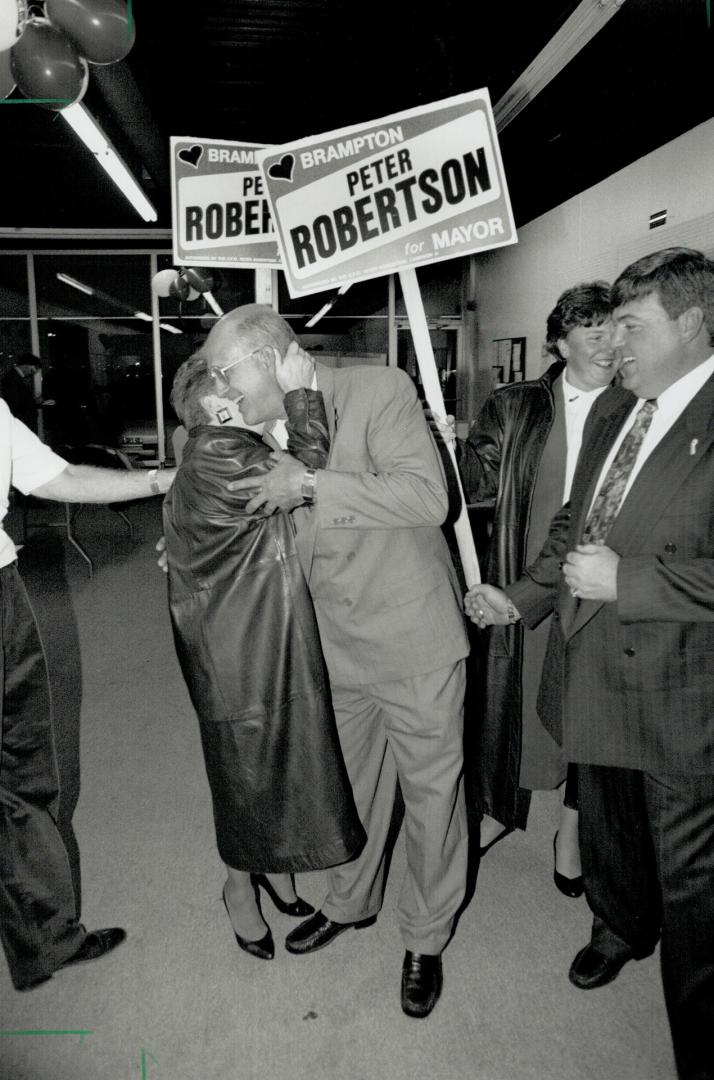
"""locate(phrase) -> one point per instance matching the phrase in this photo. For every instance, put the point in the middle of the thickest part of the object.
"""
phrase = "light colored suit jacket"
(631, 683)
(379, 570)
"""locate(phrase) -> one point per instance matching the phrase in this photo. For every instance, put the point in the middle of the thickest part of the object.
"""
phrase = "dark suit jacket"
(631, 683)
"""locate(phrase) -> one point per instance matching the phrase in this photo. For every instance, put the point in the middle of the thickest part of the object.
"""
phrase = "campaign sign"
(413, 188)
(221, 214)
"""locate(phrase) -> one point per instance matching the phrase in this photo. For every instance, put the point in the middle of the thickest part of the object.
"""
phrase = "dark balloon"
(179, 288)
(100, 30)
(45, 64)
(200, 280)
(7, 82)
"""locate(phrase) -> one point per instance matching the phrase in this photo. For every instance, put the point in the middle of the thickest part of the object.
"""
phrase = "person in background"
(391, 626)
(249, 649)
(39, 924)
(520, 457)
(627, 682)
(19, 392)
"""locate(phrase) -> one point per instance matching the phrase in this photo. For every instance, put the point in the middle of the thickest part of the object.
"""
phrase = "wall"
(595, 235)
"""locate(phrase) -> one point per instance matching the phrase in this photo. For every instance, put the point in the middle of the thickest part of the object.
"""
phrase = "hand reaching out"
(294, 370)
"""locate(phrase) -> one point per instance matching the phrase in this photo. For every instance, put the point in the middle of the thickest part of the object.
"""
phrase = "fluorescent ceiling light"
(86, 127)
(588, 18)
(164, 326)
(214, 303)
(326, 307)
(75, 284)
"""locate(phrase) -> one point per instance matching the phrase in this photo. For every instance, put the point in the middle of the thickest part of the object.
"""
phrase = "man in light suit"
(387, 604)
(628, 683)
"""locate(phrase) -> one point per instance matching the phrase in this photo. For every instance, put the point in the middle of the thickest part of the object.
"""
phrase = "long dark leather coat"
(498, 464)
(248, 645)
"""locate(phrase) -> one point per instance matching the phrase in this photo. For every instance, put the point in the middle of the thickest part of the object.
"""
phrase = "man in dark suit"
(628, 683)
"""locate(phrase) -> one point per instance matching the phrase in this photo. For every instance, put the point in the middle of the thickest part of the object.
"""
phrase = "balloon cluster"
(185, 284)
(46, 57)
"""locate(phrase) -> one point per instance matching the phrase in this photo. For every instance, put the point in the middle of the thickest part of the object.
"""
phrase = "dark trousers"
(647, 848)
(38, 919)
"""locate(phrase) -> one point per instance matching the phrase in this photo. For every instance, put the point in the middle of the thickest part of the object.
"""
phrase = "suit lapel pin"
(693, 447)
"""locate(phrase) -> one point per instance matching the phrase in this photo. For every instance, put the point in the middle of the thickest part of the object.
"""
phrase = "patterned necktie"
(607, 503)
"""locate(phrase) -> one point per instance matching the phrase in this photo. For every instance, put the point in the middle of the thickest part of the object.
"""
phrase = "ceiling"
(276, 70)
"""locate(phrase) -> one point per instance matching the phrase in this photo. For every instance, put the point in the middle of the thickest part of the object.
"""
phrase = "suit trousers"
(38, 917)
(647, 848)
(408, 731)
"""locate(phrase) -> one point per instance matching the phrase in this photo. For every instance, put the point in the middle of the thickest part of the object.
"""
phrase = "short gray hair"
(192, 382)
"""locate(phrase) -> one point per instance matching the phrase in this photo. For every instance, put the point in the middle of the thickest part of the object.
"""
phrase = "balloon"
(179, 288)
(7, 83)
(162, 282)
(45, 65)
(100, 30)
(12, 20)
(198, 279)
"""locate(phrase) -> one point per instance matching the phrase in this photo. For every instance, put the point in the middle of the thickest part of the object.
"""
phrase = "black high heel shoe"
(569, 886)
(299, 908)
(264, 949)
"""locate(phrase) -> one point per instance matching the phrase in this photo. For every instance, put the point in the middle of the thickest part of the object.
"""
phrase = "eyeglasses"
(219, 373)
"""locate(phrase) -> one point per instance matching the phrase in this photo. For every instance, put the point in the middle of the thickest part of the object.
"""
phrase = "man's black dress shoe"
(318, 931)
(591, 968)
(421, 983)
(299, 908)
(569, 886)
(96, 944)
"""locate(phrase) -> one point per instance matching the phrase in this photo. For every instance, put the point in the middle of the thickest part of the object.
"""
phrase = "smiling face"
(246, 377)
(653, 346)
(589, 356)
(224, 412)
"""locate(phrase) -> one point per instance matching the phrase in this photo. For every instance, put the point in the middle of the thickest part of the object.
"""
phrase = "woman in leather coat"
(248, 646)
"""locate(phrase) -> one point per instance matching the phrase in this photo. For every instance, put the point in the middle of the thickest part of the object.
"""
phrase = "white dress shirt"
(25, 463)
(578, 404)
(671, 403)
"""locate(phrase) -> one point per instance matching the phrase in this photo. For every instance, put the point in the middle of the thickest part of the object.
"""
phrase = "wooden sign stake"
(432, 391)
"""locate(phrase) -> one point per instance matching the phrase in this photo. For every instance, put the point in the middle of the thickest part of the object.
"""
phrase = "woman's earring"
(223, 416)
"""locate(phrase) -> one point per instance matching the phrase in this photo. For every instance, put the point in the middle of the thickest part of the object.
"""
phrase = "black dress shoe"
(569, 886)
(96, 944)
(421, 983)
(318, 931)
(298, 908)
(591, 968)
(264, 949)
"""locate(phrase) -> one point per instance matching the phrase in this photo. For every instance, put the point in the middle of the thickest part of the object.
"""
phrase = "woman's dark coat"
(249, 650)
(499, 462)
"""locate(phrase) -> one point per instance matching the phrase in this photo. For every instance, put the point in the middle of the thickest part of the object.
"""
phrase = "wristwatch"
(308, 486)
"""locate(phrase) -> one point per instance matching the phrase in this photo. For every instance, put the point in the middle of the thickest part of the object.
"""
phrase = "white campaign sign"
(404, 191)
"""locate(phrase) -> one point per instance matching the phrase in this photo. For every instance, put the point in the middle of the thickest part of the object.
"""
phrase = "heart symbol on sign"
(283, 169)
(192, 155)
